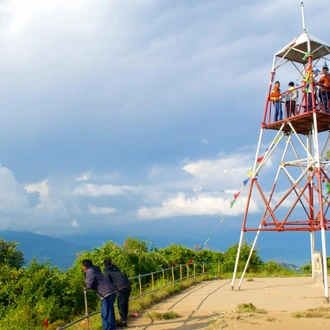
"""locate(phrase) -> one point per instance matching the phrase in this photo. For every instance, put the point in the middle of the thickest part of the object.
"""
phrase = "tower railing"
(305, 103)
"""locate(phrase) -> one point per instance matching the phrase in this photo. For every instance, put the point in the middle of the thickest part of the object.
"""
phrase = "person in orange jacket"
(275, 96)
(324, 84)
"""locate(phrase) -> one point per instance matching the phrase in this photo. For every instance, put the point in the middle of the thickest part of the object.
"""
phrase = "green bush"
(229, 259)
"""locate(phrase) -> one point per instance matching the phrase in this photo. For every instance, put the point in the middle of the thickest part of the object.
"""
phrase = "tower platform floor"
(302, 123)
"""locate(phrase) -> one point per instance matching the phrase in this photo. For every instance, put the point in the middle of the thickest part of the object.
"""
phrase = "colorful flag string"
(236, 195)
(259, 161)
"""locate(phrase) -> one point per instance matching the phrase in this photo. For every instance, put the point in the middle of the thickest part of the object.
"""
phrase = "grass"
(264, 274)
(162, 316)
(242, 313)
(249, 308)
(319, 312)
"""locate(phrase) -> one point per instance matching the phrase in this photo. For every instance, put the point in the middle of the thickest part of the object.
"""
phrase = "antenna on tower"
(303, 16)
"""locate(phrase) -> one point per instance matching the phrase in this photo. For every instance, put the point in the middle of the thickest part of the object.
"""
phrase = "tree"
(230, 258)
(10, 255)
(177, 254)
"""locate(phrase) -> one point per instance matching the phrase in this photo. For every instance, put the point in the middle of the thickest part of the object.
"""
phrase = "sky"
(136, 117)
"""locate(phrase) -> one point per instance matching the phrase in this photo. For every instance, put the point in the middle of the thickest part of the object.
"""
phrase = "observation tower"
(294, 196)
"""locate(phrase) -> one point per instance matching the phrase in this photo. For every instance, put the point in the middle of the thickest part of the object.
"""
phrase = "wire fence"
(147, 284)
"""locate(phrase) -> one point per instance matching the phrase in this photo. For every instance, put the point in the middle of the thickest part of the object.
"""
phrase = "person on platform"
(291, 97)
(275, 96)
(324, 84)
(309, 90)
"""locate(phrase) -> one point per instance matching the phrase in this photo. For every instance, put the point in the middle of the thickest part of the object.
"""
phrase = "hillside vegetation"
(31, 294)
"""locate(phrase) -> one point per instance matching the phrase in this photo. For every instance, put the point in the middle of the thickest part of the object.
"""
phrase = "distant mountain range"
(58, 252)
(62, 252)
(284, 256)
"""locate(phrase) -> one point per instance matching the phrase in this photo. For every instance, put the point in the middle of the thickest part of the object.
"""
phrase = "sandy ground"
(211, 305)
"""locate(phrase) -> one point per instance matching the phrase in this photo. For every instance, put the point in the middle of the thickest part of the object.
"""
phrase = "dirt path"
(211, 305)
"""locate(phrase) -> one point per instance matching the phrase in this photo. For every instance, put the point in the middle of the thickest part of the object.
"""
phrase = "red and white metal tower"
(295, 197)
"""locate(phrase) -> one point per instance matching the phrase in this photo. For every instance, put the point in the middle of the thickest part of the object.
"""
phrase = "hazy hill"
(62, 252)
(285, 256)
(45, 248)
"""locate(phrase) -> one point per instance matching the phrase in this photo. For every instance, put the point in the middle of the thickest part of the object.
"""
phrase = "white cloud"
(13, 197)
(89, 175)
(225, 172)
(203, 204)
(84, 177)
(75, 224)
(89, 189)
(40, 187)
(93, 209)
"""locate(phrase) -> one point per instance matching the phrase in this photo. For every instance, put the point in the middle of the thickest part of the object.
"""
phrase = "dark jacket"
(96, 281)
(119, 279)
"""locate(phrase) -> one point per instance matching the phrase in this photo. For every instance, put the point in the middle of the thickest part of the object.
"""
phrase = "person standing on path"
(105, 291)
(122, 284)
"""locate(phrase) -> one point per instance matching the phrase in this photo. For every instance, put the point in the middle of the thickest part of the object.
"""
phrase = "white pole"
(312, 238)
(303, 16)
(250, 255)
(325, 266)
(324, 249)
(237, 259)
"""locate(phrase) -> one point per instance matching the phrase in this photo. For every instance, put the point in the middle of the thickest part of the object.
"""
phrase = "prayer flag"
(327, 154)
(237, 194)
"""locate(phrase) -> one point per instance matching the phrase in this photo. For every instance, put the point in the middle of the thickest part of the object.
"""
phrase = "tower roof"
(301, 45)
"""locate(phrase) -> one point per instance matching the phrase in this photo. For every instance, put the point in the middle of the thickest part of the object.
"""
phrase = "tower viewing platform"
(304, 60)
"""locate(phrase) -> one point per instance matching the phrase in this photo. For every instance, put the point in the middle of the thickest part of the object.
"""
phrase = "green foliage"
(272, 267)
(248, 308)
(29, 296)
(162, 316)
(10, 255)
(229, 259)
(176, 254)
(306, 269)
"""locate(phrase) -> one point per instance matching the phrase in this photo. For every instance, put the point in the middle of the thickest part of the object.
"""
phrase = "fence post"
(180, 273)
(140, 287)
(152, 281)
(218, 266)
(194, 272)
(163, 272)
(187, 271)
(203, 269)
(173, 274)
(86, 306)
